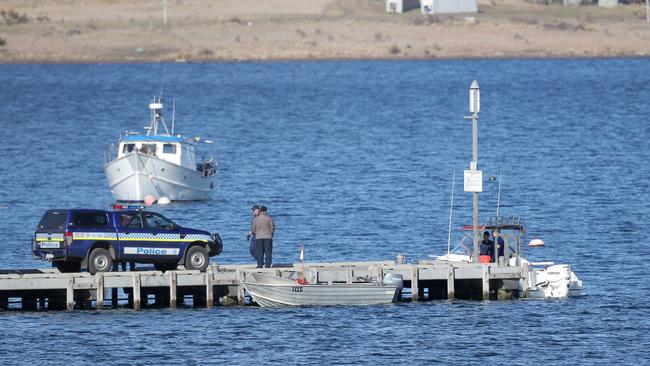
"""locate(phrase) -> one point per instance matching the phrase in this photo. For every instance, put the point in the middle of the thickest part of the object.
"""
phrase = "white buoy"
(536, 243)
(149, 200)
(164, 201)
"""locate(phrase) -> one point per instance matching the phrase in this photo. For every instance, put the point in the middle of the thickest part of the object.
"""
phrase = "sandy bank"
(121, 31)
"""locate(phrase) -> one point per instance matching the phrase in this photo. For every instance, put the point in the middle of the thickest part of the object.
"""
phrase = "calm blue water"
(355, 160)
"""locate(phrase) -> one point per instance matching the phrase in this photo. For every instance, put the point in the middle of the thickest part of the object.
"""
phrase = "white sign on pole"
(473, 181)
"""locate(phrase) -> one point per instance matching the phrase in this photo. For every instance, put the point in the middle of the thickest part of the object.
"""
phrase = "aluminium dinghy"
(272, 291)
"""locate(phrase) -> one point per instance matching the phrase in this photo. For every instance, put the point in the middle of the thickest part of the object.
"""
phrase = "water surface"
(353, 159)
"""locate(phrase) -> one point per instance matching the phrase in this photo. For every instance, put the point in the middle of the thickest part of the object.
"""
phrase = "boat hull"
(553, 281)
(136, 176)
(556, 281)
(278, 293)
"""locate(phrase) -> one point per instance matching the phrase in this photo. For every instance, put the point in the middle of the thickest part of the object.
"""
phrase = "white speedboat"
(544, 279)
(159, 164)
(272, 291)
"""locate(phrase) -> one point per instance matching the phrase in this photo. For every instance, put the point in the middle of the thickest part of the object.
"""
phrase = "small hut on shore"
(448, 6)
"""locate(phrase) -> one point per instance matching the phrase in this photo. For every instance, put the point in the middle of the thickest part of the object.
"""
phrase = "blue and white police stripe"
(49, 237)
(163, 237)
(197, 237)
(94, 236)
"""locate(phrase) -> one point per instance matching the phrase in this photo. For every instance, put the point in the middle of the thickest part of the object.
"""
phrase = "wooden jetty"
(222, 284)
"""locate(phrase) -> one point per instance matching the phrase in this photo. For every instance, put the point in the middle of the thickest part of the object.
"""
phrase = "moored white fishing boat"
(159, 164)
(543, 280)
(272, 291)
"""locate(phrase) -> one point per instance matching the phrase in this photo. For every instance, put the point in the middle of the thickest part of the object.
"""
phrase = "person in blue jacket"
(486, 246)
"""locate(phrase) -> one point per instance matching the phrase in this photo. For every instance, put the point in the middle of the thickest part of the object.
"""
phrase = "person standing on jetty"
(251, 237)
(486, 248)
(263, 229)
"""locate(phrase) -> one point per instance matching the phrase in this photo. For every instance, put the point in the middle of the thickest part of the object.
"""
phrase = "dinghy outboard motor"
(394, 279)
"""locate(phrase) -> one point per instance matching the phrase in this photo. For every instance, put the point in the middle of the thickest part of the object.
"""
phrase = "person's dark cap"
(255, 207)
(263, 208)
(486, 233)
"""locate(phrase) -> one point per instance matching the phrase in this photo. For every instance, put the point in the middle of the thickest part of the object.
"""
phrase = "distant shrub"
(43, 19)
(73, 32)
(524, 20)
(564, 26)
(2, 42)
(394, 50)
(12, 17)
(427, 20)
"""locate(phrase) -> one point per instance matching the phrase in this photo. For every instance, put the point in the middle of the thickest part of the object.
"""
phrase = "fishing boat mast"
(156, 108)
(473, 178)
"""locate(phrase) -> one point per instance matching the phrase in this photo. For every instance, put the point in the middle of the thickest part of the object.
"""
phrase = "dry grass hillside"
(124, 31)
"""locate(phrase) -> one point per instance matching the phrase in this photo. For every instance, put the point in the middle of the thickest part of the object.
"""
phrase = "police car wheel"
(196, 258)
(100, 260)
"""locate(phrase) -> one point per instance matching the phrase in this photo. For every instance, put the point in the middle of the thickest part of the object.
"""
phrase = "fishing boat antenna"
(451, 210)
(173, 113)
(499, 195)
(162, 85)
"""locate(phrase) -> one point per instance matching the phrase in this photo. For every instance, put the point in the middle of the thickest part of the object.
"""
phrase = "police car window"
(53, 220)
(157, 222)
(131, 220)
(89, 219)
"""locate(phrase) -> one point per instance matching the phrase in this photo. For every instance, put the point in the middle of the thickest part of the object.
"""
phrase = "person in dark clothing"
(251, 237)
(486, 246)
(263, 228)
(500, 243)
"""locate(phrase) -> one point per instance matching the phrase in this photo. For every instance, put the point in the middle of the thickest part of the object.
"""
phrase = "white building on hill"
(448, 6)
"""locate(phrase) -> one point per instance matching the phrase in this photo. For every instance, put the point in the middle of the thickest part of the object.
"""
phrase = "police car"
(96, 239)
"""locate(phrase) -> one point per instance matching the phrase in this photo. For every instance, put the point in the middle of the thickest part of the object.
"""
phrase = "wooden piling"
(313, 275)
(99, 278)
(240, 277)
(69, 295)
(114, 297)
(486, 282)
(377, 273)
(525, 275)
(136, 291)
(209, 289)
(415, 285)
(451, 279)
(114, 290)
(172, 289)
(29, 303)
